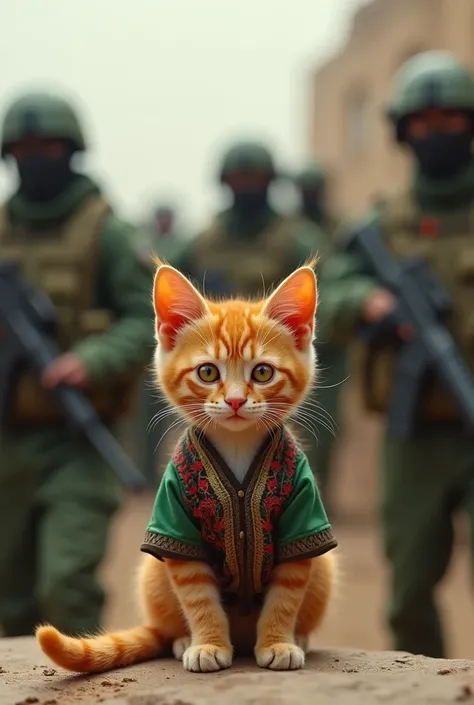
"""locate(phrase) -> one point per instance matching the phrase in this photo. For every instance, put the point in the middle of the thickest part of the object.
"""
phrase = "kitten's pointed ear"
(294, 303)
(176, 304)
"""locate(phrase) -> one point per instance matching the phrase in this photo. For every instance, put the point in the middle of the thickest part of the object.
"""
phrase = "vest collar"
(38, 215)
(237, 225)
(445, 195)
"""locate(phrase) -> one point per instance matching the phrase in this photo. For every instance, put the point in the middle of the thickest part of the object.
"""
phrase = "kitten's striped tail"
(102, 652)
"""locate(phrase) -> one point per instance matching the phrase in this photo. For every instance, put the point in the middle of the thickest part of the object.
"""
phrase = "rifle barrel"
(40, 351)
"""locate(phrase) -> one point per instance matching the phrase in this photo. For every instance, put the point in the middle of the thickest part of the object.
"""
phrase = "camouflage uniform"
(155, 237)
(249, 248)
(57, 496)
(427, 477)
(311, 183)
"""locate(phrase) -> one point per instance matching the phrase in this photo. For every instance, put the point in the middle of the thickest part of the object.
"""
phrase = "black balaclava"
(42, 178)
(311, 205)
(442, 155)
(250, 202)
(250, 196)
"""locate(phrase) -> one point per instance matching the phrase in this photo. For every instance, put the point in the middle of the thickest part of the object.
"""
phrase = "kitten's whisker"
(312, 403)
(264, 296)
(314, 422)
(310, 430)
(267, 342)
(175, 424)
(155, 420)
(200, 336)
(311, 417)
(163, 413)
(318, 414)
(321, 414)
(270, 427)
(264, 341)
(331, 386)
(303, 421)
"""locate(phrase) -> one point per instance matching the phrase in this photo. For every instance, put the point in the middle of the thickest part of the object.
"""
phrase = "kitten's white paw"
(302, 641)
(180, 645)
(280, 657)
(206, 658)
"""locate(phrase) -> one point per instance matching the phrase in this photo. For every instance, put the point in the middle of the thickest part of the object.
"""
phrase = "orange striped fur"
(180, 601)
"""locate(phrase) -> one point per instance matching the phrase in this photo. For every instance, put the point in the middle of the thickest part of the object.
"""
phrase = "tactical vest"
(446, 243)
(241, 266)
(63, 263)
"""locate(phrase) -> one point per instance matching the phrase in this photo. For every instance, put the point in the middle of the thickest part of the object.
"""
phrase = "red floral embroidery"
(278, 488)
(203, 504)
(208, 511)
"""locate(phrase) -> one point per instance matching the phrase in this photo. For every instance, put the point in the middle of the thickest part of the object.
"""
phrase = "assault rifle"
(423, 303)
(29, 320)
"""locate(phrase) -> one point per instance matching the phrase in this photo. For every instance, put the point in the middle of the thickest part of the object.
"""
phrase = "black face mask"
(42, 179)
(311, 207)
(442, 155)
(250, 202)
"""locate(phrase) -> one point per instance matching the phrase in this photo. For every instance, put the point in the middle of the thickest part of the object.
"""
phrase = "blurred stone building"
(347, 128)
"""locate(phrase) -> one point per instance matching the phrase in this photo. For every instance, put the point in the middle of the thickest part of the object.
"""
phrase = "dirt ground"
(347, 667)
(343, 676)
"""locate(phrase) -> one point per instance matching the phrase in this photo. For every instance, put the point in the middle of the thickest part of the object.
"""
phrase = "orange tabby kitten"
(237, 545)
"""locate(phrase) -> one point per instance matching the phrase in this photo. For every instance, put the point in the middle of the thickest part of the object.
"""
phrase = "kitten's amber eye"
(208, 373)
(262, 373)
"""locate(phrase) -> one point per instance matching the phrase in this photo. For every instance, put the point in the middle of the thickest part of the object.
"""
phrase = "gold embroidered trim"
(168, 546)
(225, 499)
(309, 547)
(256, 514)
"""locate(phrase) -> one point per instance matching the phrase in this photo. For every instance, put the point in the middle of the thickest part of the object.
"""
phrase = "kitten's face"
(235, 364)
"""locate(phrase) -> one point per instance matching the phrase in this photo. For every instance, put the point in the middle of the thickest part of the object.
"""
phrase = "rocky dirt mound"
(338, 676)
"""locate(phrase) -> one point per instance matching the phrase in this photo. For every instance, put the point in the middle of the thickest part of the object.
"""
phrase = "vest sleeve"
(304, 530)
(171, 532)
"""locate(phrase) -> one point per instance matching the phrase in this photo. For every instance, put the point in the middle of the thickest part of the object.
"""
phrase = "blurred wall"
(348, 131)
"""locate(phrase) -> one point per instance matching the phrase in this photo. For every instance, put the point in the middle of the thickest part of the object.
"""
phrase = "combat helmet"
(312, 176)
(41, 114)
(253, 156)
(432, 79)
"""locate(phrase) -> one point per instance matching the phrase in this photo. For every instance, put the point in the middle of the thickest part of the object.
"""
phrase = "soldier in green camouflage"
(57, 496)
(311, 183)
(249, 247)
(428, 477)
(162, 235)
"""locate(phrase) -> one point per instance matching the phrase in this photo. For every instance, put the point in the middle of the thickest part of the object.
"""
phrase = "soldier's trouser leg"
(18, 607)
(323, 408)
(420, 484)
(77, 503)
(57, 498)
(468, 503)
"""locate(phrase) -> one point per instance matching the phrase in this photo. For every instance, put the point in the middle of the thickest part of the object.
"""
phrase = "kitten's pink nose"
(235, 402)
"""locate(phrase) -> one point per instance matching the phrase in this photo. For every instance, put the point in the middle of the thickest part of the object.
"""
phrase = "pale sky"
(164, 85)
